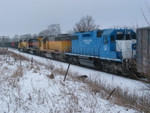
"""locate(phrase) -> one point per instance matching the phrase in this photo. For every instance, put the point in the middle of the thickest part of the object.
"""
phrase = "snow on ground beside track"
(113, 81)
(32, 91)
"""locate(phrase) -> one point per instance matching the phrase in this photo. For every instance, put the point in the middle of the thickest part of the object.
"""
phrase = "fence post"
(31, 62)
(67, 72)
(111, 93)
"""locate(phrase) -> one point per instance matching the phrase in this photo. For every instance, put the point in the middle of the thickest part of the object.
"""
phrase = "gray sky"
(33, 16)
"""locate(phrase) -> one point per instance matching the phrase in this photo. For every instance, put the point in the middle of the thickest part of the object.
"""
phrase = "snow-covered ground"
(27, 88)
(133, 86)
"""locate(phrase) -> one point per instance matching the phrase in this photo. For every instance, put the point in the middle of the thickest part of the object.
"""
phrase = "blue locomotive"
(108, 49)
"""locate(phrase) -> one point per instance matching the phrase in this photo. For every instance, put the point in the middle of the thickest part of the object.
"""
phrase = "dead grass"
(35, 71)
(3, 51)
(51, 66)
(141, 104)
(17, 56)
(119, 97)
(37, 67)
(18, 72)
(51, 76)
(59, 71)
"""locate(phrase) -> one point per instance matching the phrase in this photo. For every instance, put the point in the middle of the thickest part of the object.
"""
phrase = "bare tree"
(25, 36)
(15, 38)
(133, 27)
(70, 32)
(34, 36)
(86, 23)
(44, 33)
(53, 29)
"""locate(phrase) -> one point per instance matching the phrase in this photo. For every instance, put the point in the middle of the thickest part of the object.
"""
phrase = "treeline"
(86, 23)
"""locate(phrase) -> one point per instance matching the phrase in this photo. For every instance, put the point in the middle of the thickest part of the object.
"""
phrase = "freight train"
(119, 51)
(110, 50)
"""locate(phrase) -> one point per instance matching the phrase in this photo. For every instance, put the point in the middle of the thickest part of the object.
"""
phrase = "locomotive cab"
(125, 43)
(118, 44)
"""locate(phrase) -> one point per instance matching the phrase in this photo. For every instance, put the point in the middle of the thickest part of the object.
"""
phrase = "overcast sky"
(32, 16)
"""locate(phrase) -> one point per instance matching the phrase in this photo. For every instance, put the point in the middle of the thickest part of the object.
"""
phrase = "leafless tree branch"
(85, 24)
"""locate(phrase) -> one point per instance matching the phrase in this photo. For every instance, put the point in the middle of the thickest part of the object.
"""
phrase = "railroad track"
(126, 75)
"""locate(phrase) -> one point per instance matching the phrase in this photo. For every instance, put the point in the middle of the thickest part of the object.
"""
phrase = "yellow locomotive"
(50, 46)
(22, 46)
(55, 46)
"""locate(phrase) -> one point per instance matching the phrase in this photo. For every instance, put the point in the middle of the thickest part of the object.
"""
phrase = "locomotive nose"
(127, 48)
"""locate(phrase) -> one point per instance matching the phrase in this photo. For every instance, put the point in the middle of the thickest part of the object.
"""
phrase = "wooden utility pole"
(3, 46)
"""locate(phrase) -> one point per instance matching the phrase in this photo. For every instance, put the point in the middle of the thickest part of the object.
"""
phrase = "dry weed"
(51, 76)
(37, 67)
(58, 71)
(51, 66)
(18, 72)
(119, 97)
(141, 104)
(35, 71)
(17, 56)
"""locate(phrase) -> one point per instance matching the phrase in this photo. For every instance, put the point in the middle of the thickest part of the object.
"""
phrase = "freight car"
(143, 51)
(14, 45)
(9, 44)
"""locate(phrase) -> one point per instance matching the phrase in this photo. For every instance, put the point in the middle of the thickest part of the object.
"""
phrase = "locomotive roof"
(59, 37)
(105, 31)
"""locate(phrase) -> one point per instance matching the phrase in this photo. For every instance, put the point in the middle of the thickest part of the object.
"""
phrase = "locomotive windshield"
(125, 35)
(119, 37)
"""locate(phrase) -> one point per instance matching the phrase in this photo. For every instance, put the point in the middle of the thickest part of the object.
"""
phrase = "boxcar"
(143, 49)
(14, 45)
